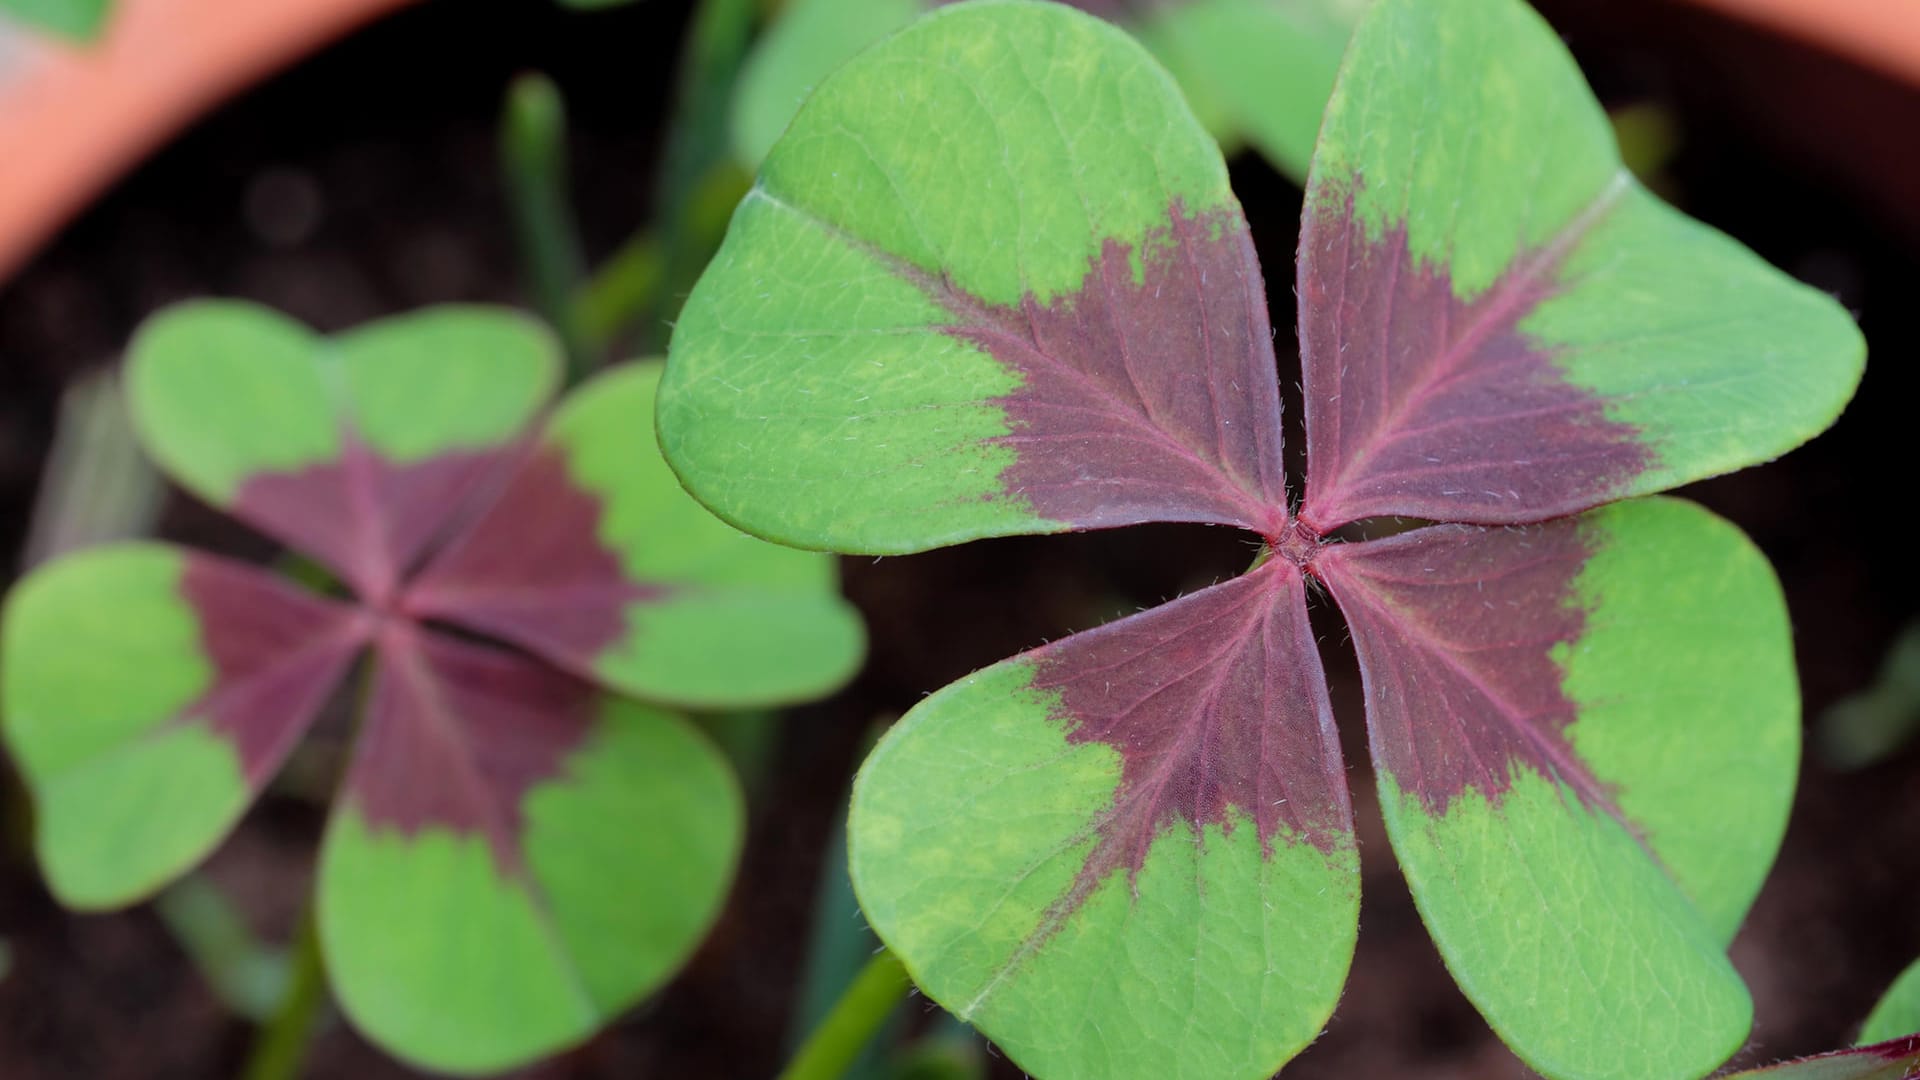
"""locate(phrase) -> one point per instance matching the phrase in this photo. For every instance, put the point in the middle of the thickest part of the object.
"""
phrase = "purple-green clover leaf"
(149, 694)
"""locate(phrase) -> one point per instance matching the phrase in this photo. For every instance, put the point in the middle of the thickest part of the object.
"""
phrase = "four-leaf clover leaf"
(992, 280)
(516, 854)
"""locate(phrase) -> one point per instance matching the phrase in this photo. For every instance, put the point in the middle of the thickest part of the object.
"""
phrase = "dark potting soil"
(363, 183)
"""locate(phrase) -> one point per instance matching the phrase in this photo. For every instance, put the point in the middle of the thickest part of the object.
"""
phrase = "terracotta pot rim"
(77, 118)
(1882, 33)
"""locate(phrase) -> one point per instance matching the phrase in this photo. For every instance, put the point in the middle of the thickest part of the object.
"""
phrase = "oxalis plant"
(992, 281)
(517, 851)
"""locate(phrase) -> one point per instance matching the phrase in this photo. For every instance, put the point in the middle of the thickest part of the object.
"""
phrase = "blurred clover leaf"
(74, 20)
(529, 838)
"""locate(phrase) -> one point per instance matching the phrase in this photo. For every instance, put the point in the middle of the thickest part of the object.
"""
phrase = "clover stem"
(533, 162)
(697, 184)
(246, 974)
(695, 190)
(282, 1044)
(620, 288)
(863, 1007)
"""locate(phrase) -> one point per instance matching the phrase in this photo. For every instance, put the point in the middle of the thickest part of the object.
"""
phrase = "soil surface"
(363, 183)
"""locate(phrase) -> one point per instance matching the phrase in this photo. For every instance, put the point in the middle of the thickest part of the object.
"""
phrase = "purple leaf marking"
(1217, 705)
(1155, 400)
(1455, 628)
(457, 733)
(530, 570)
(277, 653)
(367, 518)
(1419, 404)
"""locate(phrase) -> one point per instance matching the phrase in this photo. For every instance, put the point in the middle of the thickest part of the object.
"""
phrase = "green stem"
(862, 1008)
(695, 161)
(747, 737)
(621, 287)
(98, 485)
(251, 978)
(533, 163)
(282, 1044)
